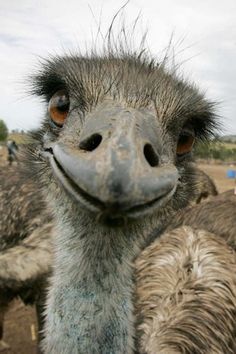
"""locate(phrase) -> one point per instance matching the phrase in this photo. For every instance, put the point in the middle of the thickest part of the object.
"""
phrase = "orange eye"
(58, 107)
(185, 144)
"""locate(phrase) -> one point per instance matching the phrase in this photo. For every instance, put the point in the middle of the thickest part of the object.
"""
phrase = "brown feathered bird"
(113, 158)
(26, 238)
(186, 294)
(25, 242)
(204, 186)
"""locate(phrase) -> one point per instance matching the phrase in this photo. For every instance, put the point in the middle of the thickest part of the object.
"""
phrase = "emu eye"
(185, 143)
(58, 107)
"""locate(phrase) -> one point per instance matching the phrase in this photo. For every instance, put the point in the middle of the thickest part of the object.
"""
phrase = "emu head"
(118, 134)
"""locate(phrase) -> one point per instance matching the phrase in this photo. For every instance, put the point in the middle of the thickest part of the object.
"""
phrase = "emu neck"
(90, 307)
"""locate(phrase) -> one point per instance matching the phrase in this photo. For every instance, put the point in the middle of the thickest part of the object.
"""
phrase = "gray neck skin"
(90, 302)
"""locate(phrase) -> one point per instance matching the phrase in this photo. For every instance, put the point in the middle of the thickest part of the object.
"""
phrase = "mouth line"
(73, 189)
(95, 204)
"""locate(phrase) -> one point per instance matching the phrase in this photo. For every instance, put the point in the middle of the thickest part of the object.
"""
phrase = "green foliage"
(3, 131)
(216, 150)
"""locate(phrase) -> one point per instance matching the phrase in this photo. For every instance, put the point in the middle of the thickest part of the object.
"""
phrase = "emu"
(204, 186)
(217, 216)
(186, 293)
(185, 282)
(26, 231)
(113, 157)
(188, 256)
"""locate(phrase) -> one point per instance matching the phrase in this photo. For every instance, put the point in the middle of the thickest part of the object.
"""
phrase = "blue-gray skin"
(112, 176)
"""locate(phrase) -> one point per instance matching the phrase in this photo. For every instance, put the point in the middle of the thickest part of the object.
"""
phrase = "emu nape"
(113, 157)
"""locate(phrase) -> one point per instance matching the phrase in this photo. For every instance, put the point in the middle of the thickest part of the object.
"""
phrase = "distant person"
(12, 148)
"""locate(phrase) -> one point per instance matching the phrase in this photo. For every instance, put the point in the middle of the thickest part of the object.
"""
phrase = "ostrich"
(113, 157)
(25, 243)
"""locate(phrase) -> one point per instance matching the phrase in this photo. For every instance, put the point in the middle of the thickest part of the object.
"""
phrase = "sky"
(203, 36)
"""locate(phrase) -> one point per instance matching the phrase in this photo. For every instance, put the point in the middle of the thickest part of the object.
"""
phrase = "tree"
(3, 130)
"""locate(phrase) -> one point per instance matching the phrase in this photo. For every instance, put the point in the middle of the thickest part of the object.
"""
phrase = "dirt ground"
(20, 328)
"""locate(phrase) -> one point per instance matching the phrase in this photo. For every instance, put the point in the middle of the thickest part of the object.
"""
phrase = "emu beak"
(116, 167)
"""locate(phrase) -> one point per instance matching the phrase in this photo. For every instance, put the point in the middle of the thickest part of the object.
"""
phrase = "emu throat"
(92, 309)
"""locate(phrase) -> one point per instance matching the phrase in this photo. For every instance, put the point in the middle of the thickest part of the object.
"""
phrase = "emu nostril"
(91, 143)
(150, 155)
